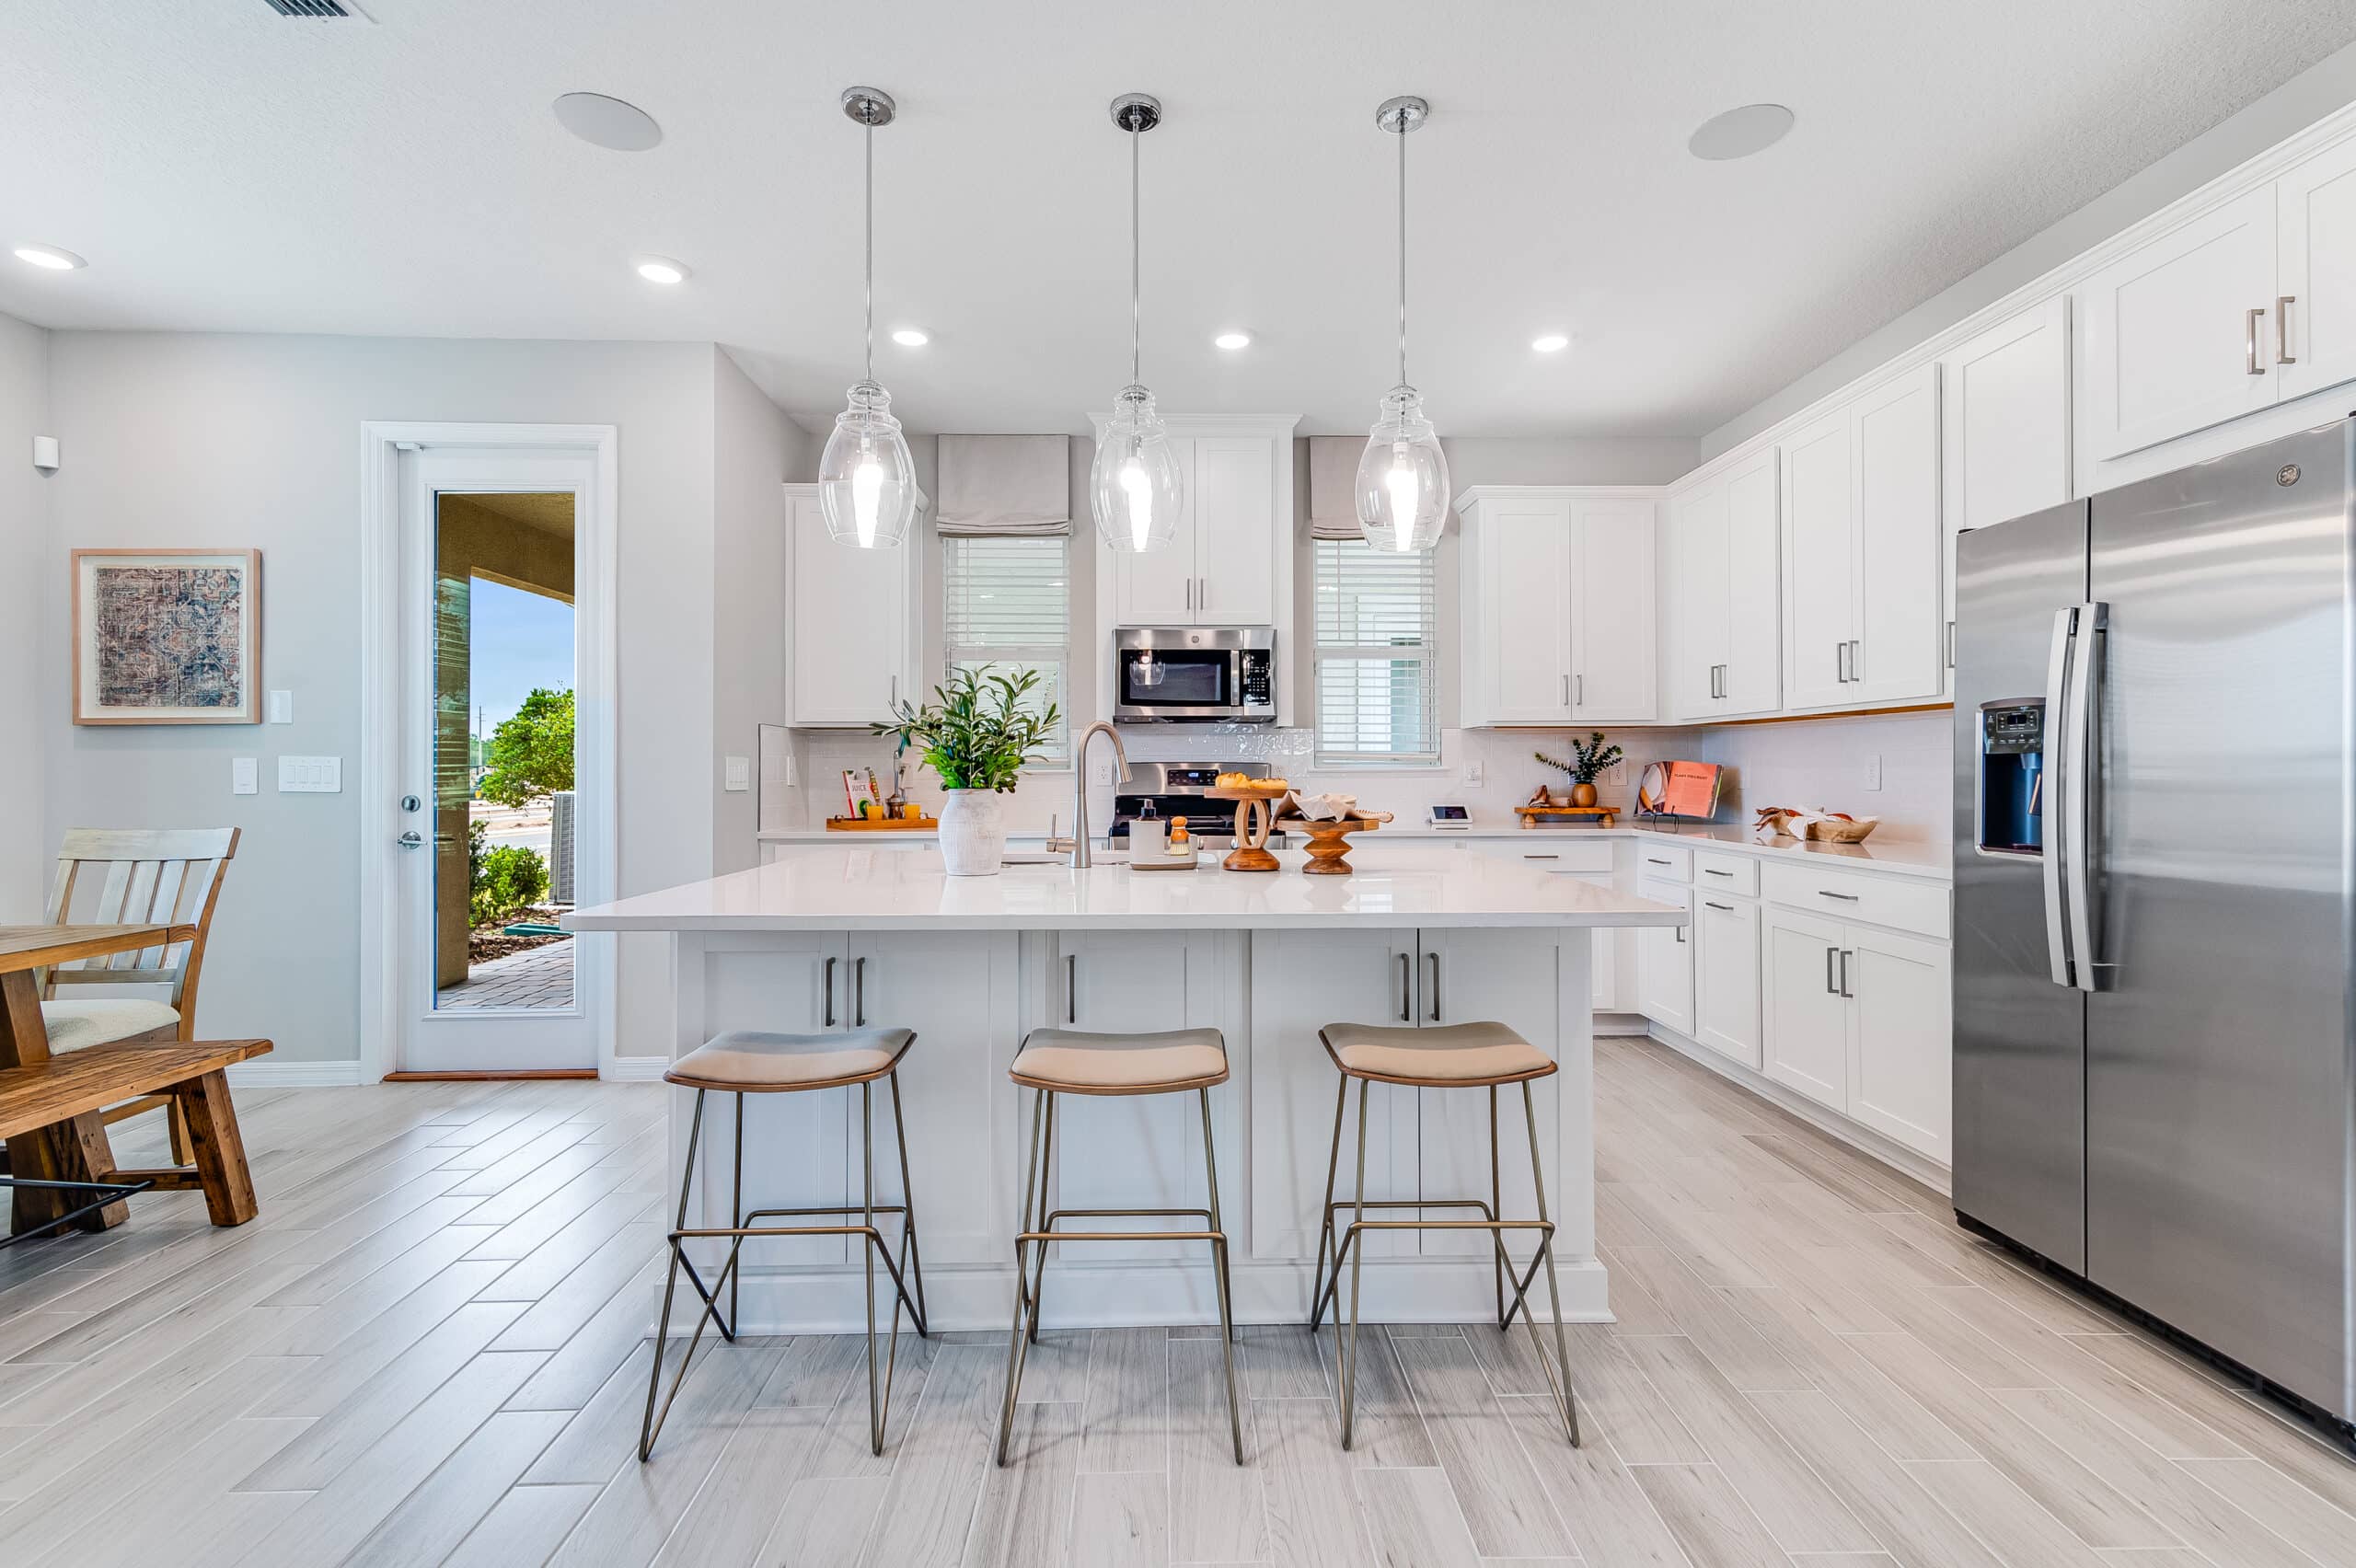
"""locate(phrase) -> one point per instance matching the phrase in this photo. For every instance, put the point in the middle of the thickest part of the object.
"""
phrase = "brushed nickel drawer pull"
(1722, 908)
(1843, 897)
(2282, 303)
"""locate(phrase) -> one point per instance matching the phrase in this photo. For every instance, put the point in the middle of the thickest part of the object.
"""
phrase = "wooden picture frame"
(166, 636)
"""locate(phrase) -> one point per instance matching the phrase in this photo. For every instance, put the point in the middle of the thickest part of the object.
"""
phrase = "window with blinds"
(1006, 603)
(1378, 696)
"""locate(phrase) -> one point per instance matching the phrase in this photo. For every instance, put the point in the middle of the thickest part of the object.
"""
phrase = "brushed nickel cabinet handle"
(1830, 989)
(1406, 989)
(1567, 691)
(1846, 954)
(1578, 691)
(1435, 958)
(1721, 908)
(859, 993)
(1071, 988)
(828, 985)
(2282, 303)
(2249, 340)
(1651, 861)
(1843, 897)
(1542, 857)
(1713, 871)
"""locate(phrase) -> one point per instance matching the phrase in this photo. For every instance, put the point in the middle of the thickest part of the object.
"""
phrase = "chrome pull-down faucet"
(1080, 861)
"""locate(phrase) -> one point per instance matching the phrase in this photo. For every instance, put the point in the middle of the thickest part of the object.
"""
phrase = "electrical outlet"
(1615, 776)
(1472, 771)
(1873, 772)
(1100, 773)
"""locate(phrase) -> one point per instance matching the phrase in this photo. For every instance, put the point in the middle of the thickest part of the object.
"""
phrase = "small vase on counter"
(972, 832)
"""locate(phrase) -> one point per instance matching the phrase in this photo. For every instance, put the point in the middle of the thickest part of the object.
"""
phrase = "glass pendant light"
(1134, 487)
(866, 480)
(1403, 475)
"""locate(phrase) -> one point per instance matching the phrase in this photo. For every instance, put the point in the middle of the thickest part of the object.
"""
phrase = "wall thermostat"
(1452, 817)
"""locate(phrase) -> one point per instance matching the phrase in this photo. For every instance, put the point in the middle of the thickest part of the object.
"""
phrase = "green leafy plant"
(530, 753)
(1588, 760)
(502, 881)
(979, 732)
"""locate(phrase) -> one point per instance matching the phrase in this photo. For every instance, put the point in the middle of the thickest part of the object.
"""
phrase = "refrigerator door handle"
(2056, 782)
(2078, 778)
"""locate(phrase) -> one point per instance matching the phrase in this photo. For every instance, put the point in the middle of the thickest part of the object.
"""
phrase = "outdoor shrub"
(503, 881)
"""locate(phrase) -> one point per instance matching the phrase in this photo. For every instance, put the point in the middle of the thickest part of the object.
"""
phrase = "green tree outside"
(530, 753)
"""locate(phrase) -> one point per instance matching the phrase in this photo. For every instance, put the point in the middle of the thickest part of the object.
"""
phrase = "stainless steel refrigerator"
(2152, 1080)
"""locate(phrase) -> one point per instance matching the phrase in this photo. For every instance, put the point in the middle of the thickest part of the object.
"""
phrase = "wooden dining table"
(24, 1042)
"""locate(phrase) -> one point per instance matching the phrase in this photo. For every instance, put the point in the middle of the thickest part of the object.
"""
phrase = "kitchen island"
(842, 937)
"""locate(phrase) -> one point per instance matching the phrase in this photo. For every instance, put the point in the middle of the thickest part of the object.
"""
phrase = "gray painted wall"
(2323, 88)
(25, 581)
(255, 441)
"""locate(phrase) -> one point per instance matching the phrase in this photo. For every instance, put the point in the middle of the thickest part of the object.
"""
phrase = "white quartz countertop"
(853, 887)
(1917, 858)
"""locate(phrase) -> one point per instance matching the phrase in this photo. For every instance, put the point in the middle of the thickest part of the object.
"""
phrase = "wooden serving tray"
(883, 825)
(1602, 816)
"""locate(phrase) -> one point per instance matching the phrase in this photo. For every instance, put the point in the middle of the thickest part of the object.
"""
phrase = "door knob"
(411, 839)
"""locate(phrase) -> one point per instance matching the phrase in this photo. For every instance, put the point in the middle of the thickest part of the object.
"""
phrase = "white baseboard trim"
(264, 1073)
(1865, 1140)
(833, 1301)
(634, 1070)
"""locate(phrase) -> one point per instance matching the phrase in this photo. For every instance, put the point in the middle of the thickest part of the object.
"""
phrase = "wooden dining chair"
(135, 876)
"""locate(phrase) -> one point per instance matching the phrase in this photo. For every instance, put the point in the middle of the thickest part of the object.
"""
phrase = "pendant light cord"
(1401, 134)
(1134, 248)
(871, 252)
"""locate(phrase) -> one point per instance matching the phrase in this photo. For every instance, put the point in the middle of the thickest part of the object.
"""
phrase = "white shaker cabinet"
(2314, 305)
(1558, 606)
(1807, 1018)
(1860, 550)
(2006, 409)
(1857, 1019)
(1725, 598)
(854, 645)
(1726, 975)
(1157, 588)
(1665, 960)
(1228, 562)
(2177, 333)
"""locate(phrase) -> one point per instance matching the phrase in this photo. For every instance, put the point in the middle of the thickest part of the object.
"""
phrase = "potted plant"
(975, 735)
(1588, 761)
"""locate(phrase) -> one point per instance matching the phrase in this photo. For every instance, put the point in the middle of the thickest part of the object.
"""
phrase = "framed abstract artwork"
(167, 637)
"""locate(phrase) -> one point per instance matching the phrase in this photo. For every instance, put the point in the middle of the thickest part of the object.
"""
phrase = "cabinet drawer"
(1727, 873)
(1664, 862)
(1908, 906)
(1589, 855)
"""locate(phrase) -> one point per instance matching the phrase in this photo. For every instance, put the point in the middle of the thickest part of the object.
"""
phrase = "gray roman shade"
(1002, 486)
(1333, 485)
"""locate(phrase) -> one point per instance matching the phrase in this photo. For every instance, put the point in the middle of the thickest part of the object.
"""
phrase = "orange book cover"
(1686, 789)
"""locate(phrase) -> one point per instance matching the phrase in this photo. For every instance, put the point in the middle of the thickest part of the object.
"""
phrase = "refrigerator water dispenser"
(2011, 778)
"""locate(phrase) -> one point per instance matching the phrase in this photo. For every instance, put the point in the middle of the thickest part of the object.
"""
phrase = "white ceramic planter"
(972, 832)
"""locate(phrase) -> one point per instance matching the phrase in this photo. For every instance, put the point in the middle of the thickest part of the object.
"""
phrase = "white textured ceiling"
(224, 168)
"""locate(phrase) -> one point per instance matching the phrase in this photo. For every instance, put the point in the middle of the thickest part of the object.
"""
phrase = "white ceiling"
(224, 168)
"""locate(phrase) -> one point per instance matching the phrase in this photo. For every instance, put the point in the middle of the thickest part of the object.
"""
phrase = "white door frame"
(597, 529)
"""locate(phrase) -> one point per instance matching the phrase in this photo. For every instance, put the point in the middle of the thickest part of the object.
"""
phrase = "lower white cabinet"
(1725, 976)
(1665, 960)
(1857, 1019)
(1604, 972)
(1420, 1143)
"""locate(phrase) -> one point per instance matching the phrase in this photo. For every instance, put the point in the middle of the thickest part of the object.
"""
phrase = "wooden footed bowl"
(1329, 842)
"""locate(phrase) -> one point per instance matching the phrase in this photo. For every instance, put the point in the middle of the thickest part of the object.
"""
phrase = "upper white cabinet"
(1233, 541)
(2007, 415)
(1725, 604)
(1861, 549)
(1557, 607)
(854, 648)
(2314, 321)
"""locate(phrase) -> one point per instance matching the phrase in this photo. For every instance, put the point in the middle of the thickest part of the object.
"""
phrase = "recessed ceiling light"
(1551, 343)
(1232, 340)
(1738, 132)
(49, 257)
(661, 270)
(607, 122)
(911, 337)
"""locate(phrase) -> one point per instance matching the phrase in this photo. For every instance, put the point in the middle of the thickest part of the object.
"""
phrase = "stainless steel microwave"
(1194, 674)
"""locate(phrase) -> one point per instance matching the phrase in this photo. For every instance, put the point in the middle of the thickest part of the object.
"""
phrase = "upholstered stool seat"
(1074, 1060)
(752, 1060)
(1470, 1054)
(1437, 1057)
(1057, 1062)
(73, 1025)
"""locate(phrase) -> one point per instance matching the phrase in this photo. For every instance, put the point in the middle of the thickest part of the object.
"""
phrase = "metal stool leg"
(652, 1422)
(1554, 1289)
(1325, 1214)
(1355, 1244)
(736, 1220)
(1034, 1189)
(911, 1254)
(1218, 1250)
(878, 1400)
(1046, 1180)
(1497, 1206)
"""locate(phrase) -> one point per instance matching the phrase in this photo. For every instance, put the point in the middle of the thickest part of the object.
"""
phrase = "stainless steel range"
(1167, 789)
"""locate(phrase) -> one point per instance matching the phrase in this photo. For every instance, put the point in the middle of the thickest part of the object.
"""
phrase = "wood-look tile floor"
(428, 1351)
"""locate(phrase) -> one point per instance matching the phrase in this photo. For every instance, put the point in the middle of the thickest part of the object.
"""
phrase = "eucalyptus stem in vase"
(975, 735)
(1589, 760)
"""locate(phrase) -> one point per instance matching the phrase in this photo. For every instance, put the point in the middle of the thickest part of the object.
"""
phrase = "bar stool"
(743, 1062)
(1460, 1055)
(1071, 1061)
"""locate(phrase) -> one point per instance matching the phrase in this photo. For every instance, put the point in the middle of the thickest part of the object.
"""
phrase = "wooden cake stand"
(1255, 815)
(1329, 842)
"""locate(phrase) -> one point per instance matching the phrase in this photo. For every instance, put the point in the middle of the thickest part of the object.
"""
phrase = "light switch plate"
(1873, 771)
(739, 773)
(245, 776)
(310, 774)
(282, 707)
(1473, 772)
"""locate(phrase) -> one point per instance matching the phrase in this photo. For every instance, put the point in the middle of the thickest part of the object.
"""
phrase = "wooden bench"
(65, 1094)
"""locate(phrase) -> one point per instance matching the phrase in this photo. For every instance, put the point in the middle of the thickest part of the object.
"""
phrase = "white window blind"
(1006, 601)
(1377, 692)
